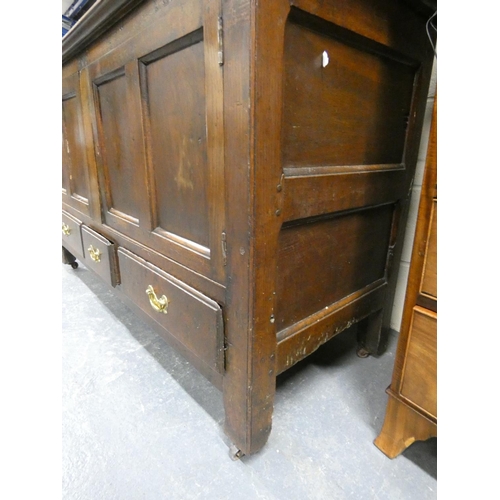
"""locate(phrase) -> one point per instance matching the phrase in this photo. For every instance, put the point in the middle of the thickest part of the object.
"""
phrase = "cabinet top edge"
(99, 18)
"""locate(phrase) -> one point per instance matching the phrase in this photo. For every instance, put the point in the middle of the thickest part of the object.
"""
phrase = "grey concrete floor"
(140, 423)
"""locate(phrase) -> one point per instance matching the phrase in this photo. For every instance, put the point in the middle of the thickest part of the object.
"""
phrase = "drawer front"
(100, 255)
(429, 275)
(419, 381)
(71, 234)
(189, 316)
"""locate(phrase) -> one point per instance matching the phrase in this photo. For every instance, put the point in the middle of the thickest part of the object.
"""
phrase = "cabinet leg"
(402, 427)
(248, 418)
(69, 258)
(235, 453)
(249, 389)
(372, 338)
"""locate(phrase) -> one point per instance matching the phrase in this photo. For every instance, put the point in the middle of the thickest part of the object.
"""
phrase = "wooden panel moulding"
(121, 177)
(322, 261)
(74, 144)
(179, 158)
(344, 104)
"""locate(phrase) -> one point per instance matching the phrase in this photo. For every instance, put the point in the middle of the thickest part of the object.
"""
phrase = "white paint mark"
(325, 60)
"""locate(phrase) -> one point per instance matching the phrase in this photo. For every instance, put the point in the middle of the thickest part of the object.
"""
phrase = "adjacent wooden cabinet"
(412, 408)
(239, 171)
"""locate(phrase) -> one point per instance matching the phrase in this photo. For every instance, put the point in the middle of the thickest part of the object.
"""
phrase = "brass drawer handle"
(66, 229)
(95, 254)
(158, 304)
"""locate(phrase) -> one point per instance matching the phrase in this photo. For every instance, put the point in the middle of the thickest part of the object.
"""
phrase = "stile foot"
(235, 453)
(69, 258)
(362, 352)
(372, 338)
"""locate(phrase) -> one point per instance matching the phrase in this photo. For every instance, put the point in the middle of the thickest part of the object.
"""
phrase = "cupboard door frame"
(78, 159)
(130, 60)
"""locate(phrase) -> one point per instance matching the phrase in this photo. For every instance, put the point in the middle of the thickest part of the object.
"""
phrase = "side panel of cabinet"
(347, 103)
(343, 104)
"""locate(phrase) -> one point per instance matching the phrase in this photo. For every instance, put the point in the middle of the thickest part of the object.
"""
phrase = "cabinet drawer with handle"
(71, 235)
(191, 317)
(100, 255)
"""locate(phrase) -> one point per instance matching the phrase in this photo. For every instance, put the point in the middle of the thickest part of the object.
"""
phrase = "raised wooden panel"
(344, 103)
(323, 261)
(74, 157)
(429, 275)
(65, 163)
(173, 83)
(419, 376)
(122, 170)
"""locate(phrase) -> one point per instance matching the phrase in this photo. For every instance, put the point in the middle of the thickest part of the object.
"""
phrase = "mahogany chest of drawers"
(239, 172)
(411, 413)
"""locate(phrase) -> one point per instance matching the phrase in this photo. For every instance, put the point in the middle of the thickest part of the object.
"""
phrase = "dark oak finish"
(191, 317)
(412, 408)
(100, 256)
(71, 233)
(343, 104)
(97, 20)
(254, 160)
(75, 169)
(332, 251)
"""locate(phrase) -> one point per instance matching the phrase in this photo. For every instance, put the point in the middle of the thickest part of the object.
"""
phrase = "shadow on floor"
(196, 385)
(339, 350)
(332, 353)
(423, 454)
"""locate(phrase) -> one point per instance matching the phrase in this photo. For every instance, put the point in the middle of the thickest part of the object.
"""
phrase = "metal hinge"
(224, 247)
(220, 37)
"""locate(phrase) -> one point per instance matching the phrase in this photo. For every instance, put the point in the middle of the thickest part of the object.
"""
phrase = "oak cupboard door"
(158, 128)
(75, 169)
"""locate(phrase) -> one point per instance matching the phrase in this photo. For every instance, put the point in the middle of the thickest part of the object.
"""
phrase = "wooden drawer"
(188, 315)
(419, 378)
(429, 275)
(71, 234)
(100, 255)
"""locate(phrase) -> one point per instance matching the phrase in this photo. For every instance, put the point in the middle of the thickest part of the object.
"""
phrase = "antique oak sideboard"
(239, 172)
